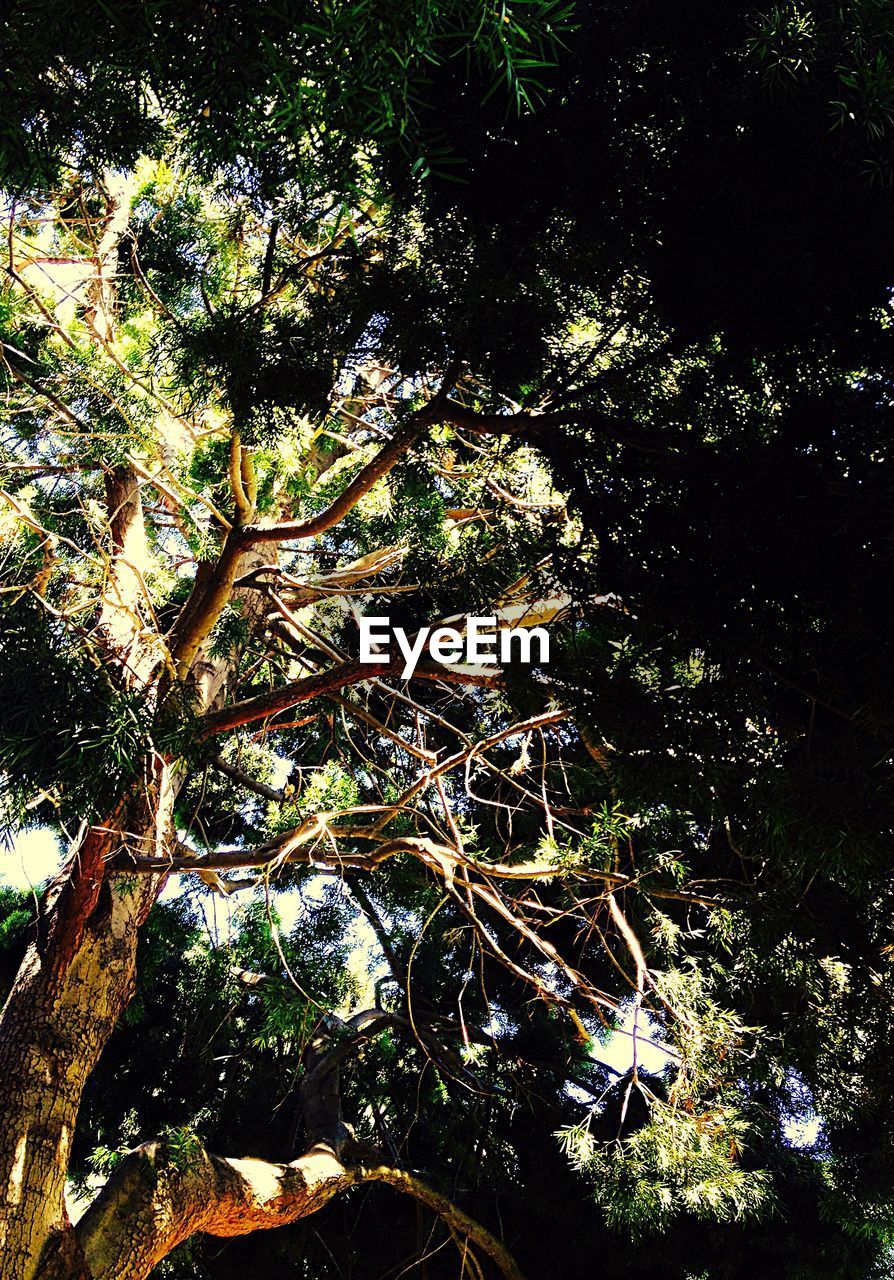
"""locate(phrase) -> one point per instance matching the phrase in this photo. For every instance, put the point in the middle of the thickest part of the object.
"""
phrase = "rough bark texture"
(79, 972)
(158, 1198)
(76, 979)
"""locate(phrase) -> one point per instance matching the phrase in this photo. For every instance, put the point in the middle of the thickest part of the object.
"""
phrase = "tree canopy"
(574, 317)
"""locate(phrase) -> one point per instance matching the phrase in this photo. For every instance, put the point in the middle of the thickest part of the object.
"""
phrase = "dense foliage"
(617, 281)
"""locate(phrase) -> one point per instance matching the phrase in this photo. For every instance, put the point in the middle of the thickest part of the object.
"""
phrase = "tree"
(129, 394)
(255, 343)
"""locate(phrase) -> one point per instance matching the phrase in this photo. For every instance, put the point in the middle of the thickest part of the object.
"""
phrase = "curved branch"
(384, 461)
(206, 603)
(538, 427)
(450, 1213)
(551, 717)
(161, 1194)
(244, 779)
(356, 712)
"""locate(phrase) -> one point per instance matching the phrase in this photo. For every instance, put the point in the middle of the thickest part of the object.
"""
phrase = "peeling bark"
(79, 971)
(120, 622)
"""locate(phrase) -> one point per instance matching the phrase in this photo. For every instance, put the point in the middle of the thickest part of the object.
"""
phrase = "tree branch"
(537, 427)
(439, 409)
(383, 462)
(159, 1196)
(356, 712)
(162, 1194)
(326, 682)
(300, 845)
(206, 603)
(290, 695)
(235, 774)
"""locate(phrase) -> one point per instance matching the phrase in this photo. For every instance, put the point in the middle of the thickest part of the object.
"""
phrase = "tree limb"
(300, 845)
(325, 682)
(290, 695)
(244, 779)
(162, 1194)
(383, 462)
(537, 427)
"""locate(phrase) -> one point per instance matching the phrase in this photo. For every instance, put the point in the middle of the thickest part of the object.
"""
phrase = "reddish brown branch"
(325, 682)
(158, 1197)
(290, 695)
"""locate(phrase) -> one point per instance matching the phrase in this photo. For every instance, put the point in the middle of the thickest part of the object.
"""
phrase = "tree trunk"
(79, 971)
(76, 979)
